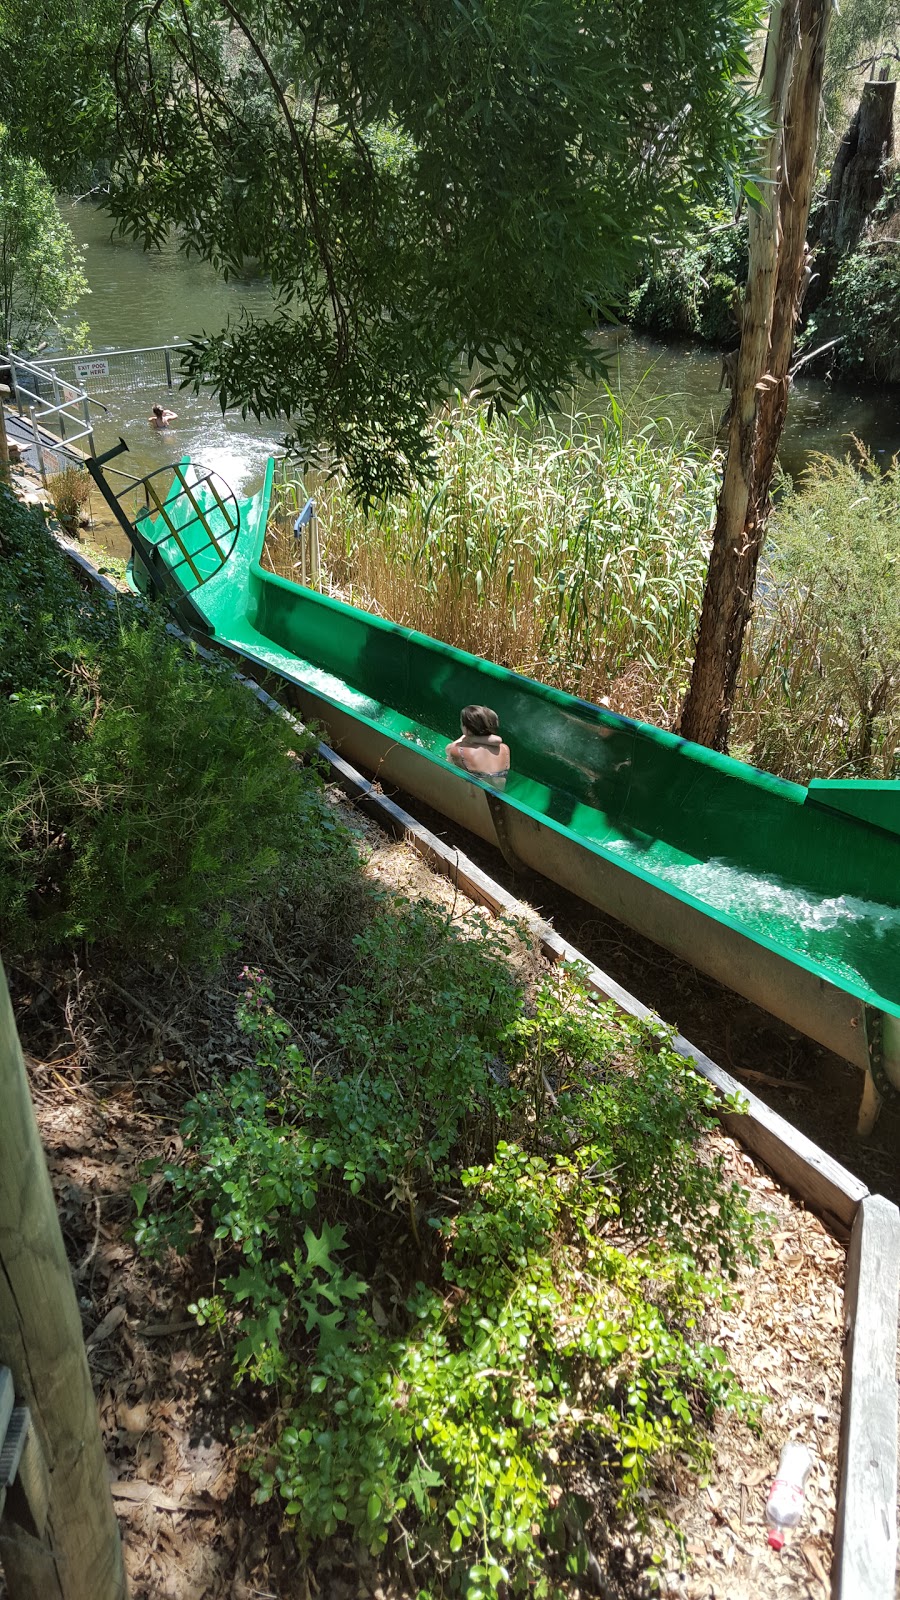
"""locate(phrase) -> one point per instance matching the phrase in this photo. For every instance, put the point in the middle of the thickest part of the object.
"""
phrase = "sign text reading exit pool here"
(96, 368)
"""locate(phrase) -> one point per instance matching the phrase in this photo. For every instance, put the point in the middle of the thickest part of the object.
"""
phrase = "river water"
(141, 298)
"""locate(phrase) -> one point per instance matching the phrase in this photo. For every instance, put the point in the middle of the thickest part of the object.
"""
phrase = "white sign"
(96, 368)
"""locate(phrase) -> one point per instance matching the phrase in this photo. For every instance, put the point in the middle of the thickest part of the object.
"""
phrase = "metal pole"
(12, 368)
(317, 551)
(59, 408)
(38, 446)
(86, 413)
(168, 360)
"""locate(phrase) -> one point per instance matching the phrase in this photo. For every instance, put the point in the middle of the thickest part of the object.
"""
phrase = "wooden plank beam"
(77, 1554)
(866, 1523)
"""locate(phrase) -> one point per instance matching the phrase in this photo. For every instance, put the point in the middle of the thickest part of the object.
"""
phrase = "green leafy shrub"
(70, 492)
(863, 307)
(41, 268)
(145, 798)
(518, 1320)
(38, 597)
(690, 290)
(820, 688)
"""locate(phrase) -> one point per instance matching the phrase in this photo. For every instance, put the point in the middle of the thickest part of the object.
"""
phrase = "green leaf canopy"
(436, 188)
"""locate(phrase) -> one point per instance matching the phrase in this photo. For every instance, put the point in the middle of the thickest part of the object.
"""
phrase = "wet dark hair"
(157, 411)
(480, 720)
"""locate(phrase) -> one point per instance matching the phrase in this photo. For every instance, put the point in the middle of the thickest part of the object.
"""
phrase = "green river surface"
(142, 298)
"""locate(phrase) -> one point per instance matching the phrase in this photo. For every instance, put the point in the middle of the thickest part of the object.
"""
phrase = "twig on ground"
(157, 1021)
(86, 1260)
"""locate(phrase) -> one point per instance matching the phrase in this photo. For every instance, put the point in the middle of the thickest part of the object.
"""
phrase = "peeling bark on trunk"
(792, 88)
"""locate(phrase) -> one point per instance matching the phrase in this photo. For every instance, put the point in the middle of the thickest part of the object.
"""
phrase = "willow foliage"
(433, 189)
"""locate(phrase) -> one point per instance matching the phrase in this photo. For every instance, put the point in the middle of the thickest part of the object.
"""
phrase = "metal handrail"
(116, 366)
(40, 409)
(139, 350)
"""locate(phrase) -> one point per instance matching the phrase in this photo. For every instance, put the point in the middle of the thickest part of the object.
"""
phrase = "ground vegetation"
(820, 694)
(446, 1218)
(133, 775)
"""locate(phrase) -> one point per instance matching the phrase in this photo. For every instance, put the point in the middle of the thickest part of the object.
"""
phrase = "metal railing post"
(15, 383)
(59, 409)
(316, 550)
(39, 448)
(86, 413)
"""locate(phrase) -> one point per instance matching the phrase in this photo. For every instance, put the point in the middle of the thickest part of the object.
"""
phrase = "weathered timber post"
(76, 1554)
(793, 70)
(5, 393)
(857, 179)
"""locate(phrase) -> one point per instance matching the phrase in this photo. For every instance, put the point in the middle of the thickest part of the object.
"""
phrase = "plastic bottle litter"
(784, 1506)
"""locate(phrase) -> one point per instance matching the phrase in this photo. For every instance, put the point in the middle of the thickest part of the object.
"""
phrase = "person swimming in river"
(480, 749)
(160, 417)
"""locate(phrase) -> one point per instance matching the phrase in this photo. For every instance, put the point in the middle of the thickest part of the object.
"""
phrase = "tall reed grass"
(575, 553)
(820, 685)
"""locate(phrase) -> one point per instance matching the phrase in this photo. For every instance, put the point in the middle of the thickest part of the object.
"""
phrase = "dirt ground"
(110, 1069)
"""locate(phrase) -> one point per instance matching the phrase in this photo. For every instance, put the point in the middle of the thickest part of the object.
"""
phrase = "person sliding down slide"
(480, 749)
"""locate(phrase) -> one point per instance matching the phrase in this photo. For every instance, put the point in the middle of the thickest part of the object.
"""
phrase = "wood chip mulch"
(784, 1341)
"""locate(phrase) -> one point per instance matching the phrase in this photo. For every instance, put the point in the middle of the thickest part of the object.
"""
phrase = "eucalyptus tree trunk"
(792, 91)
(58, 1534)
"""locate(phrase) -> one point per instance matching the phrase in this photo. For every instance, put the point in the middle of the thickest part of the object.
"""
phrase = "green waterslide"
(788, 894)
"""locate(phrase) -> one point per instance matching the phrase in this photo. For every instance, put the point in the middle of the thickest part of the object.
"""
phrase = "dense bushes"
(465, 1249)
(820, 687)
(145, 797)
(690, 290)
(863, 310)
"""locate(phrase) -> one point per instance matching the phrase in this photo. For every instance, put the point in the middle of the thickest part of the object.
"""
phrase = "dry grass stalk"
(575, 554)
(70, 491)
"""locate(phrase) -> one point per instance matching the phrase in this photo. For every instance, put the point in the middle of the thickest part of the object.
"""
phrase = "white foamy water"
(753, 897)
(327, 683)
(853, 938)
